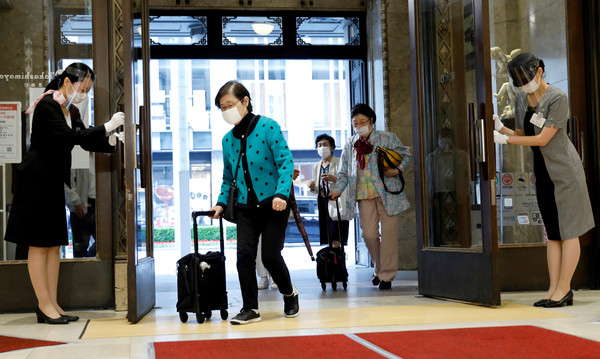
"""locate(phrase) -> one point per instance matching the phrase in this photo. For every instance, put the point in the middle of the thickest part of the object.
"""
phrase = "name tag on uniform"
(537, 120)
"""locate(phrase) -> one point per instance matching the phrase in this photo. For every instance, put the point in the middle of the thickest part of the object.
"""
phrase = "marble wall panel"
(400, 117)
(22, 50)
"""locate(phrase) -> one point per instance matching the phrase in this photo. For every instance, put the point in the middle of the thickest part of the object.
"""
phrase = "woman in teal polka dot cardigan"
(264, 181)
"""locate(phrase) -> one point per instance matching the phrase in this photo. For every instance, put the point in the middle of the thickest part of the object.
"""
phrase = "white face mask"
(232, 116)
(76, 97)
(324, 152)
(362, 131)
(530, 87)
(445, 143)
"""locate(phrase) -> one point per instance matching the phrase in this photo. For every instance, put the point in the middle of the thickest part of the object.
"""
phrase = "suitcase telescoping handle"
(339, 217)
(195, 215)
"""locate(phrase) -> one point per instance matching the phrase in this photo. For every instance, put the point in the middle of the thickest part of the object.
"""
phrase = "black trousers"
(252, 222)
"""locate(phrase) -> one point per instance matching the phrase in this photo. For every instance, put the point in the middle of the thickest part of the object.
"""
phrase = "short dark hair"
(236, 89)
(325, 136)
(75, 72)
(363, 109)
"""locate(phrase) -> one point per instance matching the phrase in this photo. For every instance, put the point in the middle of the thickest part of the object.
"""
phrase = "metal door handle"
(482, 153)
(472, 141)
(142, 131)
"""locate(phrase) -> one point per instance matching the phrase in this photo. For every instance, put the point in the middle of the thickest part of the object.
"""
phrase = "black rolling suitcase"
(331, 262)
(201, 286)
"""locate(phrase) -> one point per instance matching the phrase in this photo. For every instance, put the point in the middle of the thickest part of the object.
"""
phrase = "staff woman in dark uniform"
(541, 114)
(37, 217)
(264, 182)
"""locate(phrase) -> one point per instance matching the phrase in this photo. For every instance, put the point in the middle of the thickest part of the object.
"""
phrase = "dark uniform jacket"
(37, 216)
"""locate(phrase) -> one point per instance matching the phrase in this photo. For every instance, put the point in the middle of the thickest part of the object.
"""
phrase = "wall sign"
(10, 132)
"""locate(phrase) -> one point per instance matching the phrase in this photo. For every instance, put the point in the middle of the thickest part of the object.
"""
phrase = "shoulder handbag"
(231, 211)
(387, 158)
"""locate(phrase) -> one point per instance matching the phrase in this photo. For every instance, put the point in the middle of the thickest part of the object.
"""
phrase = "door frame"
(469, 275)
(83, 283)
(141, 292)
(516, 259)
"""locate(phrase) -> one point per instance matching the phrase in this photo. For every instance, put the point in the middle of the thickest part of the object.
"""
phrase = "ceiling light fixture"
(262, 28)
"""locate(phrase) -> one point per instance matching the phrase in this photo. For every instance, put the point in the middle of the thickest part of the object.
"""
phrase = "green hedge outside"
(166, 235)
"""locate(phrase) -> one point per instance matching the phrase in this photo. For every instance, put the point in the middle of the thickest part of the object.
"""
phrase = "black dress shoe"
(70, 318)
(566, 300)
(540, 303)
(375, 280)
(43, 318)
(385, 285)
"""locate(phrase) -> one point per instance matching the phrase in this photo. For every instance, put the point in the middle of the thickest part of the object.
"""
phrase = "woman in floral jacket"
(376, 205)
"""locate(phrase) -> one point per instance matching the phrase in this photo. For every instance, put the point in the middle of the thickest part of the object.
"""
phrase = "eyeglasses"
(360, 124)
(227, 107)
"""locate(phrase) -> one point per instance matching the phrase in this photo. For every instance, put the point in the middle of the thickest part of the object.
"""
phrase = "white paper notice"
(10, 132)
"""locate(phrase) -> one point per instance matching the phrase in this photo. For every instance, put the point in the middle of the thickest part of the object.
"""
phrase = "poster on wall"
(10, 132)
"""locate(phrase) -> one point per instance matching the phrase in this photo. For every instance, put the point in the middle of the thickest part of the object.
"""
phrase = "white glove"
(112, 139)
(497, 123)
(500, 138)
(117, 120)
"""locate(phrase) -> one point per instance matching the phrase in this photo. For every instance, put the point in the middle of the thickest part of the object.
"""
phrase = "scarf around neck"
(362, 147)
(56, 95)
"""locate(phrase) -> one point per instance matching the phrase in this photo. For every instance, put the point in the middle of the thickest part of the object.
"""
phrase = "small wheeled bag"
(201, 282)
(331, 262)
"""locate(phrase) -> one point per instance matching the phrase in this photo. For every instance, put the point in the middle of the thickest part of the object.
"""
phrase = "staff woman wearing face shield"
(37, 217)
(264, 182)
(541, 116)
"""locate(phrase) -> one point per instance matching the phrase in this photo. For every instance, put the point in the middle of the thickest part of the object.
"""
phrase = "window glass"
(338, 31)
(284, 90)
(539, 28)
(252, 30)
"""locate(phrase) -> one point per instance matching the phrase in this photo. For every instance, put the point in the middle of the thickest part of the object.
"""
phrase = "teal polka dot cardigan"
(270, 164)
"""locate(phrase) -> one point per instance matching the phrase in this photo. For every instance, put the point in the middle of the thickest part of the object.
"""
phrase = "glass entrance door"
(454, 171)
(138, 161)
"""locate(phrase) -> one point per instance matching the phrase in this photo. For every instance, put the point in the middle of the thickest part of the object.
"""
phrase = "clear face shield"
(523, 77)
(77, 91)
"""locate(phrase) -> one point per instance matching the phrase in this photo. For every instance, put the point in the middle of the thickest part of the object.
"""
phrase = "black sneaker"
(246, 316)
(290, 304)
(375, 280)
(385, 285)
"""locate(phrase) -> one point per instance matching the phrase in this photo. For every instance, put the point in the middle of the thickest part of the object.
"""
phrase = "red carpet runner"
(304, 347)
(489, 343)
(13, 343)
(467, 343)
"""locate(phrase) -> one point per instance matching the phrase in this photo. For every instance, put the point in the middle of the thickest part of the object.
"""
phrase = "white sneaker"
(272, 284)
(263, 283)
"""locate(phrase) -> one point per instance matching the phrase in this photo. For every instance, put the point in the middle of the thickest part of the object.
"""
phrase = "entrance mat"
(320, 318)
(515, 342)
(302, 347)
(490, 343)
(8, 344)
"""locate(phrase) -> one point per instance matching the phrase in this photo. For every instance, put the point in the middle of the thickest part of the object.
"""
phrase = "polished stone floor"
(361, 308)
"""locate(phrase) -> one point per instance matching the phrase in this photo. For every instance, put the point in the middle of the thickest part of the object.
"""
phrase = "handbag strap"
(242, 150)
(380, 168)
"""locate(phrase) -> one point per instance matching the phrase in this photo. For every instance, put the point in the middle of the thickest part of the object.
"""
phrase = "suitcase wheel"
(334, 286)
(183, 317)
(323, 285)
(345, 284)
(199, 318)
(208, 314)
(224, 314)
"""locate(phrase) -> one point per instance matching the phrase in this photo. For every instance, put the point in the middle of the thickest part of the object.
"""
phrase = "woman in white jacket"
(323, 182)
